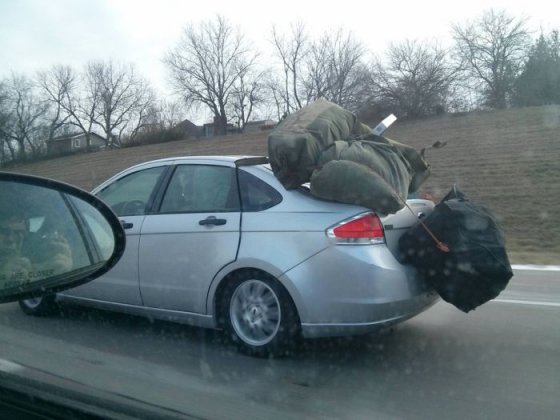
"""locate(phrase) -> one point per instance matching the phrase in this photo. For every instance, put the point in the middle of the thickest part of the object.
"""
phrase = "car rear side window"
(257, 195)
(128, 196)
(201, 189)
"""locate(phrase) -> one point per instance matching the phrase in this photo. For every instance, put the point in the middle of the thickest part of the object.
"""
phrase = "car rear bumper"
(345, 290)
(415, 306)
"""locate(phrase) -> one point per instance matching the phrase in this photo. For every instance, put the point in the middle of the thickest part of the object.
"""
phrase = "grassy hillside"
(508, 160)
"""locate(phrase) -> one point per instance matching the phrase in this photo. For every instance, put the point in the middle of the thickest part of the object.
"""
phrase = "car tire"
(39, 306)
(259, 315)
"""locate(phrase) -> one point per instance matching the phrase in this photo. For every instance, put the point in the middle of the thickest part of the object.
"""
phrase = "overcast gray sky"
(35, 34)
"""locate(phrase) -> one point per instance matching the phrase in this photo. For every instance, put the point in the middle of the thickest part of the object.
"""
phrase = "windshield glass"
(398, 257)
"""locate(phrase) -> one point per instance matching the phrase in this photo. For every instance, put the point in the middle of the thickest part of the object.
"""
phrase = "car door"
(130, 197)
(193, 235)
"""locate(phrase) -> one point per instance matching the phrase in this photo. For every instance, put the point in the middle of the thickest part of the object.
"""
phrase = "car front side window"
(129, 196)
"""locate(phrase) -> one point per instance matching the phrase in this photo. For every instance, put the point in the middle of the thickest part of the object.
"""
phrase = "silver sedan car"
(218, 242)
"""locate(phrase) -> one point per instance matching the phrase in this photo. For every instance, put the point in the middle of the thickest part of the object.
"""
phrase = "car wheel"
(259, 316)
(39, 306)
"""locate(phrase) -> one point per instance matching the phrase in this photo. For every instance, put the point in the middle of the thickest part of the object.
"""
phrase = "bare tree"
(416, 79)
(170, 113)
(331, 67)
(56, 85)
(165, 121)
(23, 122)
(141, 113)
(85, 105)
(246, 96)
(292, 51)
(318, 65)
(207, 65)
(7, 151)
(336, 70)
(75, 96)
(492, 50)
(275, 98)
(122, 99)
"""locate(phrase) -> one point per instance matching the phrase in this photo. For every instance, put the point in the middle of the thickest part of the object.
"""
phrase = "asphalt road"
(501, 361)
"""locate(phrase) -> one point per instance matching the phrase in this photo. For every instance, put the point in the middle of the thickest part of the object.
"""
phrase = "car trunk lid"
(397, 224)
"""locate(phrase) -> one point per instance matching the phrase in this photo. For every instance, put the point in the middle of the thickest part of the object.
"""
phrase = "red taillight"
(363, 229)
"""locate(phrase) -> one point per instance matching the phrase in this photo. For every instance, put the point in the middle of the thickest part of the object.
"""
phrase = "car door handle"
(126, 225)
(211, 220)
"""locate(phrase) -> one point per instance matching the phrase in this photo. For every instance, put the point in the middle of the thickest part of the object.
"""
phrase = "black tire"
(39, 306)
(259, 315)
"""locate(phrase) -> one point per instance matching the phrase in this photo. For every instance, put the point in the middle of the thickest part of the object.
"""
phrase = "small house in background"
(187, 129)
(73, 143)
(208, 130)
(256, 126)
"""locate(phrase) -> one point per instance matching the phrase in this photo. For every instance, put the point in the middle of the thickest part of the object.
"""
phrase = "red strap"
(440, 245)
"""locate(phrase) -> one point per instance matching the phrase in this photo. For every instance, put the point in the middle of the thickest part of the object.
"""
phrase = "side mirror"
(53, 237)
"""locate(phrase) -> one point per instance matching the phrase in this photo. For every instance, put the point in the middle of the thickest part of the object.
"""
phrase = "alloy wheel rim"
(255, 312)
(33, 302)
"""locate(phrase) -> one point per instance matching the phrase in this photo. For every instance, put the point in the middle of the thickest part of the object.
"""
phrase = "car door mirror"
(53, 237)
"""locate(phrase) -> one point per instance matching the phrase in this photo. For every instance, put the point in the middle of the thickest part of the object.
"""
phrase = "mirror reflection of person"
(13, 266)
(49, 250)
(26, 257)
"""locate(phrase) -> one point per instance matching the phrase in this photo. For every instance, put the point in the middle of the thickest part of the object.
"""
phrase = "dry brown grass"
(507, 160)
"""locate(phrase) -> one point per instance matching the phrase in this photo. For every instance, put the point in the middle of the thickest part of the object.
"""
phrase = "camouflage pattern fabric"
(372, 172)
(295, 146)
(327, 146)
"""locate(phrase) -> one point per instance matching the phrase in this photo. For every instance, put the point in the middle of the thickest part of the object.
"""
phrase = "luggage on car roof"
(476, 268)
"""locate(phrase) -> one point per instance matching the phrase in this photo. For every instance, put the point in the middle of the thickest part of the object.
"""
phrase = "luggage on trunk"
(476, 268)
(370, 171)
(343, 160)
(294, 147)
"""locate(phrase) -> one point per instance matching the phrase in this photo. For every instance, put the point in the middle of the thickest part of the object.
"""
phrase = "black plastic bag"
(476, 268)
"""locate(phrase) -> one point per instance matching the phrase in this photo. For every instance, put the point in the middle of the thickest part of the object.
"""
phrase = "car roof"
(244, 159)
(218, 158)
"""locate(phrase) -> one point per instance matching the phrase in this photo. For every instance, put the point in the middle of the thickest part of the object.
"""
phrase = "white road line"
(527, 302)
(9, 367)
(531, 267)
